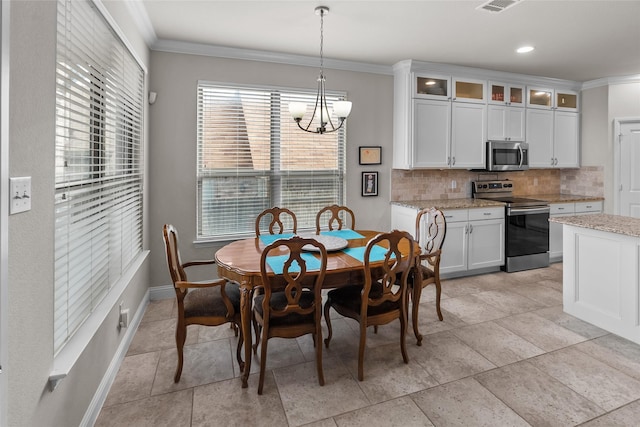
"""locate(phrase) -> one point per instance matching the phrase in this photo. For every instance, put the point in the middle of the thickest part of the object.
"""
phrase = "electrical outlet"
(454, 184)
(124, 316)
(535, 181)
(20, 193)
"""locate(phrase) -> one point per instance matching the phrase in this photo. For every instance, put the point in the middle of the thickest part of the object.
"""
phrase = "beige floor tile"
(212, 333)
(533, 276)
(342, 341)
(402, 411)
(204, 363)
(598, 382)
(470, 309)
(280, 352)
(465, 403)
(615, 351)
(499, 345)
(467, 285)
(386, 376)
(580, 327)
(428, 294)
(172, 409)
(428, 322)
(626, 416)
(134, 379)
(159, 310)
(305, 401)
(554, 284)
(226, 403)
(159, 335)
(327, 422)
(537, 397)
(543, 294)
(540, 332)
(508, 302)
(447, 358)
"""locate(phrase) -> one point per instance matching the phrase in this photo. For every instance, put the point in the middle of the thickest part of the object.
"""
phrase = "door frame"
(617, 124)
(4, 207)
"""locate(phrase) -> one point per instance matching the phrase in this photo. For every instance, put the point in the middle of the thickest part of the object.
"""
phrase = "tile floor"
(505, 355)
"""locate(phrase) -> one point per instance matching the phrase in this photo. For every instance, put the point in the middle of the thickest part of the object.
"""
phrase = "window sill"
(64, 361)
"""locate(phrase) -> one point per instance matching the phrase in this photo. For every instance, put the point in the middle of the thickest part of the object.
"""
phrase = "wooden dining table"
(239, 261)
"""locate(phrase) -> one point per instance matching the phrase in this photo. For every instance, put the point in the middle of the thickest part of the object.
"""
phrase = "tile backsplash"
(456, 184)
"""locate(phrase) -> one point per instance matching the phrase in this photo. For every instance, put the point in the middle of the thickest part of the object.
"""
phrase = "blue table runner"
(277, 263)
(377, 253)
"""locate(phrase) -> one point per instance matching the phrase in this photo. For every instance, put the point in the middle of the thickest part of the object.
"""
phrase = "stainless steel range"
(527, 225)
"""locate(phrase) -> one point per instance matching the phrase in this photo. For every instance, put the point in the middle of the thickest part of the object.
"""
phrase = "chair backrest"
(340, 215)
(296, 275)
(394, 266)
(431, 237)
(170, 235)
(282, 218)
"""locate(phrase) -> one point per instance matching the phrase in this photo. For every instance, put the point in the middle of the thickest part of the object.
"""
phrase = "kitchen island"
(601, 279)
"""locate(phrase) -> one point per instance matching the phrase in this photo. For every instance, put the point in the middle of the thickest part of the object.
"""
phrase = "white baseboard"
(100, 396)
(161, 292)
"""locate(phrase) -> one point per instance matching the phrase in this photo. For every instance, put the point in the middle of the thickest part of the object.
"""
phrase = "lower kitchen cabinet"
(475, 240)
(555, 229)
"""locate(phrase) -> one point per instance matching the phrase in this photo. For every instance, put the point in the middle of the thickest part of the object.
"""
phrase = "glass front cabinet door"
(432, 87)
(467, 90)
(566, 100)
(506, 94)
(539, 98)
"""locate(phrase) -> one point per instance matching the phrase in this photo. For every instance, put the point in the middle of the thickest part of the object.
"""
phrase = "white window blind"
(252, 156)
(98, 163)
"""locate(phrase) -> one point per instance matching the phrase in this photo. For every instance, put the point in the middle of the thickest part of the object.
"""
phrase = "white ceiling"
(574, 39)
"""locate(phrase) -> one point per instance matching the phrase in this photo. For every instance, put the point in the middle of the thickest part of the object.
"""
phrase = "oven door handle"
(527, 211)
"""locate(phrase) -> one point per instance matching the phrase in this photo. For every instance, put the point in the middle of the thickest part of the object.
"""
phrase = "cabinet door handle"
(454, 161)
(470, 228)
(487, 213)
(560, 209)
(552, 161)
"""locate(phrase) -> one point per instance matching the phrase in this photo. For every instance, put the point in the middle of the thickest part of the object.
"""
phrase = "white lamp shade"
(297, 109)
(342, 109)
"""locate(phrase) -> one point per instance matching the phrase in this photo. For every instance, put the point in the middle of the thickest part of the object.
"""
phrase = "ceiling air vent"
(497, 5)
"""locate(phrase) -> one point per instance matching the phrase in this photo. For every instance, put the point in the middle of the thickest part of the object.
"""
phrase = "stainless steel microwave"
(507, 156)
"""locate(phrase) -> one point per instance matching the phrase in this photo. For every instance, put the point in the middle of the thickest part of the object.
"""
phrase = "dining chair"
(280, 221)
(291, 305)
(340, 215)
(208, 303)
(383, 298)
(427, 269)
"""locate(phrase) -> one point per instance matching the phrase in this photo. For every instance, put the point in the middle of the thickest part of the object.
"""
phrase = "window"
(98, 169)
(252, 156)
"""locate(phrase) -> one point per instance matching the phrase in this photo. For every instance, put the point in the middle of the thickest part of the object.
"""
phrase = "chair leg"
(415, 300)
(318, 334)
(263, 360)
(239, 350)
(403, 333)
(181, 336)
(363, 342)
(438, 291)
(327, 318)
(258, 331)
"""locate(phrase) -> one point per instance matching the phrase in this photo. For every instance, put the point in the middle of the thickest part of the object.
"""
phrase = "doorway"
(627, 173)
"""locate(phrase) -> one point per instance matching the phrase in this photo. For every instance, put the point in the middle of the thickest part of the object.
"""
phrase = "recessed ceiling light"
(525, 49)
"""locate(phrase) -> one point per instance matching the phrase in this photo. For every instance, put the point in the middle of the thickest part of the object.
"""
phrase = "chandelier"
(341, 109)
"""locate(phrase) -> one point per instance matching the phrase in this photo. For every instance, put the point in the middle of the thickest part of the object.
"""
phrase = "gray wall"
(172, 153)
(600, 106)
(31, 236)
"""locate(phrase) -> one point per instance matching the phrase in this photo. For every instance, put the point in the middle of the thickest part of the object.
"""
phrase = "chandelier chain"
(321, 42)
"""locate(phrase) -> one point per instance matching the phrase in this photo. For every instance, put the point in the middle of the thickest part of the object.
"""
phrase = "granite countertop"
(444, 204)
(564, 198)
(625, 225)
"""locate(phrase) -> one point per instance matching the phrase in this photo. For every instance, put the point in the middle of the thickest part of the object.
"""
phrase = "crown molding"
(142, 20)
(174, 46)
(611, 81)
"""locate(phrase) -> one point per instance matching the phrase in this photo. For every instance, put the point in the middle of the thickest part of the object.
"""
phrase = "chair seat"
(206, 302)
(350, 298)
(279, 302)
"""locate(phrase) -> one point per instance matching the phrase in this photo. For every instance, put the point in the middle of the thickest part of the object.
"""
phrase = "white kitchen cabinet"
(553, 138)
(473, 242)
(552, 99)
(448, 134)
(507, 94)
(505, 123)
(555, 229)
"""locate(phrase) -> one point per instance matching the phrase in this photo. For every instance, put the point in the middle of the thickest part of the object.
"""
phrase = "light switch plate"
(20, 193)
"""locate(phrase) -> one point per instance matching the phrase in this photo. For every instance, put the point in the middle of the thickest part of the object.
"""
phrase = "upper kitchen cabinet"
(552, 99)
(506, 94)
(442, 120)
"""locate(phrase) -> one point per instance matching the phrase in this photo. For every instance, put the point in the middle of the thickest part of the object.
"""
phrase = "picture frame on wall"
(370, 155)
(369, 183)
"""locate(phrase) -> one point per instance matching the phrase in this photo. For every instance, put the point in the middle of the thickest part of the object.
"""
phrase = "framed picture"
(370, 155)
(369, 183)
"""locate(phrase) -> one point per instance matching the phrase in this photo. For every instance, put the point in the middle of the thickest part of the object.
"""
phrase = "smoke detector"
(497, 5)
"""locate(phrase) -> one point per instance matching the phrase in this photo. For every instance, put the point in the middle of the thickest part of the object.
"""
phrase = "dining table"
(239, 261)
